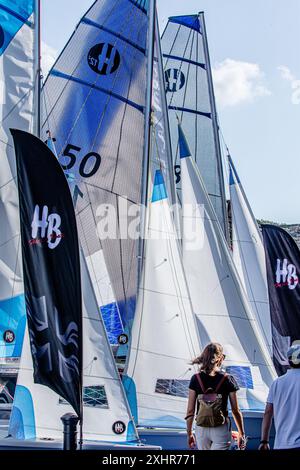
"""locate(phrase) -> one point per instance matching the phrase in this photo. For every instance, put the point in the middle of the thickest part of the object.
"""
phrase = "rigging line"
(44, 97)
(184, 97)
(8, 182)
(99, 240)
(17, 104)
(173, 92)
(141, 287)
(10, 240)
(185, 324)
(120, 250)
(187, 79)
(91, 91)
(168, 356)
(90, 255)
(173, 44)
(122, 122)
(181, 64)
(82, 56)
(6, 143)
(108, 191)
(179, 295)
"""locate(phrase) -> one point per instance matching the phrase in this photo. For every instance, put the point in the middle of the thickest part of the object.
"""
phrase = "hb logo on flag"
(286, 274)
(51, 223)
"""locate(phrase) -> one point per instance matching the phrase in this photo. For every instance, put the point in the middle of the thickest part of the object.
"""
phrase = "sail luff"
(248, 255)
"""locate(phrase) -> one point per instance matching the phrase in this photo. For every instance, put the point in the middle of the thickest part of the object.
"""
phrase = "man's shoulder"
(279, 381)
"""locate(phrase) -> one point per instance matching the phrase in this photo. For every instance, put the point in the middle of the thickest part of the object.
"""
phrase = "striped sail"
(17, 92)
(94, 106)
(249, 255)
(219, 300)
(190, 97)
(164, 338)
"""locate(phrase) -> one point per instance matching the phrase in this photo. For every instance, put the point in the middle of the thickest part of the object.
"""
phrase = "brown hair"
(210, 358)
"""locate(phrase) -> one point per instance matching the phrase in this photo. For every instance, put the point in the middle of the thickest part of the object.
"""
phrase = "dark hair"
(294, 366)
(211, 357)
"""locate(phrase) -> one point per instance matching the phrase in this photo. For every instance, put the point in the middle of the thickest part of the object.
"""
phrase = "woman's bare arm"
(236, 413)
(190, 413)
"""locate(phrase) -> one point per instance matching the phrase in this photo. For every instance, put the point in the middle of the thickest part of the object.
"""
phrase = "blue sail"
(190, 97)
(94, 107)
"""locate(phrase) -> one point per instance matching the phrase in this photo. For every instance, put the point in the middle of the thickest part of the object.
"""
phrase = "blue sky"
(255, 54)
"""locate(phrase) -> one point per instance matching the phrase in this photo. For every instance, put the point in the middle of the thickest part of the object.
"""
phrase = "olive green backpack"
(210, 413)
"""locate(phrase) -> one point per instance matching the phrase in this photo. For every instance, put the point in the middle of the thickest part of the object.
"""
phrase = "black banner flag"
(283, 270)
(51, 268)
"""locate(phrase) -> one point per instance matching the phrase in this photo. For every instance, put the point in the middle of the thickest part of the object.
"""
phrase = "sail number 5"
(89, 164)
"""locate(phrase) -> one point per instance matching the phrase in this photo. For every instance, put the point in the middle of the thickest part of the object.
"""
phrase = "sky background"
(255, 55)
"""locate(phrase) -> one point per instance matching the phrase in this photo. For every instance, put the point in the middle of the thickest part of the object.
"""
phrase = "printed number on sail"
(85, 170)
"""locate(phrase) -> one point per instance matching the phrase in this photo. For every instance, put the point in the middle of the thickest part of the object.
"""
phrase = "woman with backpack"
(209, 392)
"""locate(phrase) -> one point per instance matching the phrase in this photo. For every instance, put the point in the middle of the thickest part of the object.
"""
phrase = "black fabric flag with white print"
(51, 268)
(283, 270)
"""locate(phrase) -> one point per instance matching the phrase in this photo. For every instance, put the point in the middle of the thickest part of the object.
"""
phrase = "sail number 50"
(89, 164)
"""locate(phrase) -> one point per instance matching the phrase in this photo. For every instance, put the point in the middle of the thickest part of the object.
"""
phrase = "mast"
(37, 124)
(147, 136)
(214, 117)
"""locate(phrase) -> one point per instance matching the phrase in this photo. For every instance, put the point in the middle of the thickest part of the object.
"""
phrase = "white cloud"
(287, 75)
(49, 55)
(238, 82)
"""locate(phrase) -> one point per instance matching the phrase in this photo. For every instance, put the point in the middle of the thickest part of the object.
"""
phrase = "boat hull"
(175, 439)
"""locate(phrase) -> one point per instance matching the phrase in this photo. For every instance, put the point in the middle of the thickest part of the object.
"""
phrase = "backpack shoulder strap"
(200, 382)
(221, 382)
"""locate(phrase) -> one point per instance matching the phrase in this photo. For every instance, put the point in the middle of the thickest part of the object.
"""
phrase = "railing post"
(70, 422)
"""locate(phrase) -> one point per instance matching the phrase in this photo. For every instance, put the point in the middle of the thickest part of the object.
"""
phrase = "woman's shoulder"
(231, 381)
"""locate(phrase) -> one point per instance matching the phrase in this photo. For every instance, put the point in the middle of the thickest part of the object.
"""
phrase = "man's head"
(293, 355)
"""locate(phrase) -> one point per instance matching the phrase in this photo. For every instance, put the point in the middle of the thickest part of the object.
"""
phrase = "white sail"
(249, 255)
(17, 86)
(221, 307)
(164, 338)
(37, 410)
